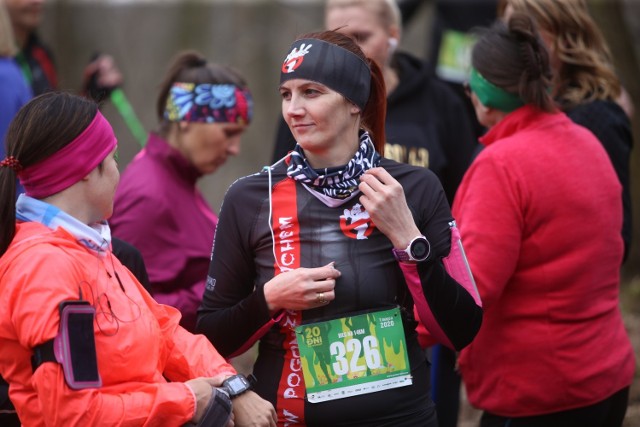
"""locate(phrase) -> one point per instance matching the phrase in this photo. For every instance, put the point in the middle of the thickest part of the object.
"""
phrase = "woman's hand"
(302, 288)
(383, 197)
(251, 410)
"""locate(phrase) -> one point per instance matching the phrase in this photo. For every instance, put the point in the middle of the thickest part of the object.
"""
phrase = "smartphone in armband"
(75, 345)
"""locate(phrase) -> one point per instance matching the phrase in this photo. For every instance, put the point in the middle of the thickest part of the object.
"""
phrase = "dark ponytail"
(513, 57)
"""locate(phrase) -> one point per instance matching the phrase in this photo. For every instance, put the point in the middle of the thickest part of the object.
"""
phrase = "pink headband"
(71, 163)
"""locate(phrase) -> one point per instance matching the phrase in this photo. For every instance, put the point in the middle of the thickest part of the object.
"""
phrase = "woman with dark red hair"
(322, 256)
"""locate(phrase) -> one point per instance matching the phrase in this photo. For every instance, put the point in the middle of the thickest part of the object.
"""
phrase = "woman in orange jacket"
(57, 268)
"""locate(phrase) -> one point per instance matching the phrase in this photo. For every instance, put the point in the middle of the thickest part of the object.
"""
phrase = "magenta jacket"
(540, 214)
(159, 210)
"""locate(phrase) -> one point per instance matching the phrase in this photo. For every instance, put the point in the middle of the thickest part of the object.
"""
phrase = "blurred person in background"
(450, 39)
(14, 91)
(36, 60)
(203, 109)
(585, 83)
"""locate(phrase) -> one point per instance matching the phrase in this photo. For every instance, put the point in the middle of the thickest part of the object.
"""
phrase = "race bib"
(353, 355)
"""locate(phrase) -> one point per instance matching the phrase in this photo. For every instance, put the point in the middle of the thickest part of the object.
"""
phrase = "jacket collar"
(158, 147)
(525, 117)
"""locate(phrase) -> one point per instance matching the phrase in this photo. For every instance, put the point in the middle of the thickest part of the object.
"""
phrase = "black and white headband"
(330, 65)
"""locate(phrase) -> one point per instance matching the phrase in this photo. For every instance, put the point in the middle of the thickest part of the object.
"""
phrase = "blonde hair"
(587, 72)
(387, 11)
(7, 42)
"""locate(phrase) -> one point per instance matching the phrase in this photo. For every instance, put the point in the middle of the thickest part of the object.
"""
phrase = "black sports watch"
(418, 250)
(238, 384)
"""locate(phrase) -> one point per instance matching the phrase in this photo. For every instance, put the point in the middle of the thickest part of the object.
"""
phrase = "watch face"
(420, 249)
(236, 384)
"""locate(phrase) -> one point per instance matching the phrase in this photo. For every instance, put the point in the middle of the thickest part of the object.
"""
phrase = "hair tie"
(11, 162)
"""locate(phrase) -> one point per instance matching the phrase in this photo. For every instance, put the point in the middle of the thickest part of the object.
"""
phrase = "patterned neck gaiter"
(340, 182)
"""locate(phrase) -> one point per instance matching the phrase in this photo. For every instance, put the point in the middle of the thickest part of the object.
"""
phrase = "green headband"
(491, 95)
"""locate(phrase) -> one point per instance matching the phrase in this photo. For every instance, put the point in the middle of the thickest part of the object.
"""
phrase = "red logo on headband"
(295, 58)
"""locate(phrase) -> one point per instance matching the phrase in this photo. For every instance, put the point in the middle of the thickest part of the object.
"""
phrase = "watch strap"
(248, 382)
(406, 255)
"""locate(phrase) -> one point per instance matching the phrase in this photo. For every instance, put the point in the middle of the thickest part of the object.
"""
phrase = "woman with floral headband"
(322, 256)
(203, 110)
(82, 343)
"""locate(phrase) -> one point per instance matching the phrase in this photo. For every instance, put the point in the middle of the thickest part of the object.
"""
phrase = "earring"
(393, 43)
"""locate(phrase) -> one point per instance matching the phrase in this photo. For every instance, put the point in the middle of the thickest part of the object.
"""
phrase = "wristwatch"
(238, 384)
(418, 250)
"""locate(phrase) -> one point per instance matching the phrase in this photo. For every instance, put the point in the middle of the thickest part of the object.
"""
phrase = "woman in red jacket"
(540, 213)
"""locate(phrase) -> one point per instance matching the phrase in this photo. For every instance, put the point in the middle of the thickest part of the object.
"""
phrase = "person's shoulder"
(267, 174)
(413, 72)
(8, 68)
(143, 177)
(606, 120)
(599, 110)
(123, 249)
(44, 263)
(418, 79)
(408, 62)
(134, 190)
(443, 94)
(131, 257)
(411, 67)
(141, 198)
(144, 163)
(421, 186)
(257, 185)
(35, 244)
(400, 168)
(403, 172)
(11, 77)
